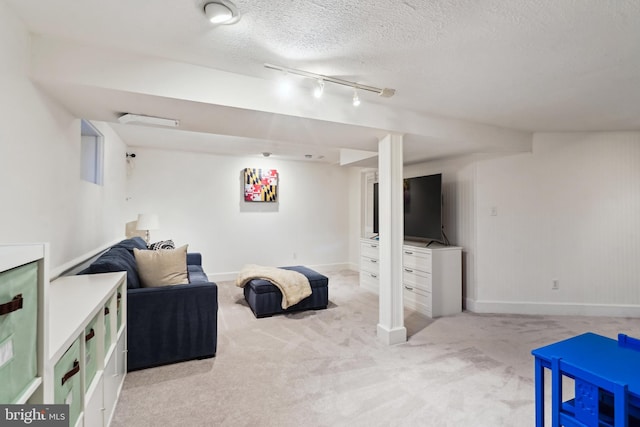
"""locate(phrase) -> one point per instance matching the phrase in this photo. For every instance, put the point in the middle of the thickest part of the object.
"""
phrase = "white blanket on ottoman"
(294, 286)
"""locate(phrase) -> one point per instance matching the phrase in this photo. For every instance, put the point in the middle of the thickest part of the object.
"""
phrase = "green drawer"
(91, 353)
(18, 330)
(107, 329)
(67, 384)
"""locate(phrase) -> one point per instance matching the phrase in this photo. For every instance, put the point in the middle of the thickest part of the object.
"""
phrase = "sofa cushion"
(162, 267)
(316, 280)
(196, 274)
(117, 259)
(131, 244)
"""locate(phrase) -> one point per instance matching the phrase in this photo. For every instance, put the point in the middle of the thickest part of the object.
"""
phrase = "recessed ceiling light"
(221, 12)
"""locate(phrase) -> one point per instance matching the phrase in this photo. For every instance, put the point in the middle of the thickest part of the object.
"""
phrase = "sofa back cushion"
(131, 244)
(162, 267)
(117, 259)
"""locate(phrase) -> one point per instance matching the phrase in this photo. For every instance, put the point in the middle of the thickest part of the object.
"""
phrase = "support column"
(391, 328)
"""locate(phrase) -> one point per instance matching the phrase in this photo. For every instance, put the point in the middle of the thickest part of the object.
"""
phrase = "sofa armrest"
(171, 324)
(194, 258)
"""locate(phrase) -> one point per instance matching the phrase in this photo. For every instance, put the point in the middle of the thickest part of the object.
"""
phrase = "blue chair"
(586, 410)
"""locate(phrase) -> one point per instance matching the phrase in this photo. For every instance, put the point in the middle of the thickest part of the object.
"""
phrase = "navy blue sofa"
(165, 324)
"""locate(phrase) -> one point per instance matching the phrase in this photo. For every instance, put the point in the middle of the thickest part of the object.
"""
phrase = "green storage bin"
(107, 329)
(91, 353)
(18, 330)
(119, 305)
(67, 385)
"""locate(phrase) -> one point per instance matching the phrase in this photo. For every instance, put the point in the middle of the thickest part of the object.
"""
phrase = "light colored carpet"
(326, 368)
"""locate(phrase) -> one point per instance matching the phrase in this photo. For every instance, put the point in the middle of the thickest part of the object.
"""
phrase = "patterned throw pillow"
(163, 244)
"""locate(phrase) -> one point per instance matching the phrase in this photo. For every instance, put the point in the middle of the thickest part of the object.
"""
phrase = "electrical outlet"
(295, 255)
(555, 284)
(494, 211)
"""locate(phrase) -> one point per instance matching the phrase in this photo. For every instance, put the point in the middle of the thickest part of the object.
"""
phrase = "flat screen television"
(422, 208)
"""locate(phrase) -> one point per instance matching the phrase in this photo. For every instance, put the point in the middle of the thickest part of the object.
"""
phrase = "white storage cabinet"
(84, 311)
(431, 276)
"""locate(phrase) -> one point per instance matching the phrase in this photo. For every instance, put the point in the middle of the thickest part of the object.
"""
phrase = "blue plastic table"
(602, 356)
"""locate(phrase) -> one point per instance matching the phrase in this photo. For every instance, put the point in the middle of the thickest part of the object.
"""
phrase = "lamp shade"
(148, 222)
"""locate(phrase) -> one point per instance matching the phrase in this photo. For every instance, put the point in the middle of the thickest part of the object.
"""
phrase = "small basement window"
(91, 153)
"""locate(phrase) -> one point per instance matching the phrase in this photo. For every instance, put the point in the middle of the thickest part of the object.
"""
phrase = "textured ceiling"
(531, 65)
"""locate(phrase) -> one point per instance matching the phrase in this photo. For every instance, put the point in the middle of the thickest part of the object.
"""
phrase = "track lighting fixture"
(319, 89)
(321, 79)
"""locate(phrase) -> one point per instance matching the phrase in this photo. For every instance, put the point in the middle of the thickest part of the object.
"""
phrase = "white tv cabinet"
(431, 276)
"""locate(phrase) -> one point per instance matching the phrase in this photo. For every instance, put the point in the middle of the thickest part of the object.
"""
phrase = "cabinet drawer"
(67, 382)
(107, 328)
(119, 305)
(370, 265)
(90, 352)
(418, 300)
(416, 278)
(369, 249)
(416, 260)
(369, 281)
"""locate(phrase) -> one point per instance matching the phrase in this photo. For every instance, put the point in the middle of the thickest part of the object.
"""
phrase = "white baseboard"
(397, 335)
(553, 309)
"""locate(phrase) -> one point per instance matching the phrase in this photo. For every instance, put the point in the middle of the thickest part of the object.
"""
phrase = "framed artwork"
(260, 185)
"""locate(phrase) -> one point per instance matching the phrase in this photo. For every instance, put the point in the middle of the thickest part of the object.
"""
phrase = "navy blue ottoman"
(265, 299)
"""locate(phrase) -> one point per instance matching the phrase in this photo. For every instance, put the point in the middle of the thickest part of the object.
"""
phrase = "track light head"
(319, 89)
(356, 98)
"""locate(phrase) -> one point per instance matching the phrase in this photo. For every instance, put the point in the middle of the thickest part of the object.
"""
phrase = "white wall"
(43, 197)
(570, 211)
(199, 201)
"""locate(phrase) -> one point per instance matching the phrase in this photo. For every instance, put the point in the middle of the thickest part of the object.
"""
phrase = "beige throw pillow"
(162, 267)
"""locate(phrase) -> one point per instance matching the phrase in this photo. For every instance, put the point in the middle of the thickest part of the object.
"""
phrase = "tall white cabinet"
(431, 276)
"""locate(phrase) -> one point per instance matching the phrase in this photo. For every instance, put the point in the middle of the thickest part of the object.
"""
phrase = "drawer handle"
(14, 305)
(106, 311)
(118, 298)
(90, 335)
(408, 270)
(374, 260)
(408, 252)
(409, 288)
(374, 276)
(72, 372)
(374, 246)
